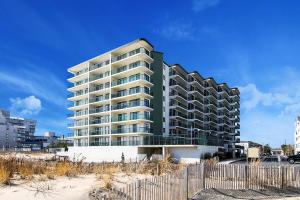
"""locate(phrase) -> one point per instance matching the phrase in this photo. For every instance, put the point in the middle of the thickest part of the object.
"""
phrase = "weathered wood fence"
(184, 184)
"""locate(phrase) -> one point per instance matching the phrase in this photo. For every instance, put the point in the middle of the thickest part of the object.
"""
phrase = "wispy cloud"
(252, 97)
(39, 82)
(25, 107)
(200, 5)
(177, 30)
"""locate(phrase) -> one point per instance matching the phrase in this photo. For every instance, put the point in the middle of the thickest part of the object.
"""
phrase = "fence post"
(203, 174)
(139, 188)
(187, 182)
(282, 177)
(247, 178)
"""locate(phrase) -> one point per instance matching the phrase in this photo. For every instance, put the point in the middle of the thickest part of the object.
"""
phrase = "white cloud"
(25, 107)
(200, 5)
(252, 97)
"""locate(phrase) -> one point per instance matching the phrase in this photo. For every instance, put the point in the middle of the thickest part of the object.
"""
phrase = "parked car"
(273, 158)
(294, 158)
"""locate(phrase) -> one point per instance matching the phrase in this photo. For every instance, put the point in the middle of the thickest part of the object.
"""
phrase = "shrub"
(207, 156)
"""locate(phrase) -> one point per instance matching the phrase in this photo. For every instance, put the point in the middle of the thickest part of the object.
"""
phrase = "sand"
(61, 188)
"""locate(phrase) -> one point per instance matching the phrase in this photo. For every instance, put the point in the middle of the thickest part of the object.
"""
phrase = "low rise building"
(246, 145)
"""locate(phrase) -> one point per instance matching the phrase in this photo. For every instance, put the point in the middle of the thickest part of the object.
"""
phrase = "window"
(134, 115)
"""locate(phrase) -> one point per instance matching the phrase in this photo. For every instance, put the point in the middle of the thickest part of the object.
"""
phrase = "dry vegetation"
(12, 168)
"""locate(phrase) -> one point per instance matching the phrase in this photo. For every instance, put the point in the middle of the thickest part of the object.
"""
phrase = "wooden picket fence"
(184, 184)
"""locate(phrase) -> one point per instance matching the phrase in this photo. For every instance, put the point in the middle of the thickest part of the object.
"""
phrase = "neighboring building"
(44, 141)
(131, 97)
(246, 145)
(277, 152)
(297, 135)
(14, 132)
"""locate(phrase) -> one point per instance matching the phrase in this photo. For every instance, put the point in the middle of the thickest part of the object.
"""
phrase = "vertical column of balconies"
(79, 107)
(130, 96)
(196, 105)
(210, 109)
(178, 104)
(99, 102)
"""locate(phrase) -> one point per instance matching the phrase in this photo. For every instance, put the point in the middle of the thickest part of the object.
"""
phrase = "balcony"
(130, 105)
(131, 54)
(99, 65)
(131, 130)
(131, 80)
(99, 77)
(127, 118)
(99, 99)
(99, 132)
(130, 92)
(99, 110)
(125, 70)
(98, 121)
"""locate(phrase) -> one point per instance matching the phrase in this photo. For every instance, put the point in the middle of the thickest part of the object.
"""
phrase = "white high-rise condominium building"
(130, 96)
(297, 135)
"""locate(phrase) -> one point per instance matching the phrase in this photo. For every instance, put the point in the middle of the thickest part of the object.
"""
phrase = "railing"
(130, 105)
(131, 130)
(99, 132)
(98, 110)
(99, 65)
(129, 54)
(130, 92)
(128, 80)
(99, 76)
(97, 99)
(99, 121)
(132, 117)
(130, 66)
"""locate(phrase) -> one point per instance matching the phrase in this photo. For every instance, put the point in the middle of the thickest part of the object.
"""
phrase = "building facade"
(14, 132)
(130, 96)
(297, 135)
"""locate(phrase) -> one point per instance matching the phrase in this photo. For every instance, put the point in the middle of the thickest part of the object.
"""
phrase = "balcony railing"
(132, 117)
(130, 92)
(130, 66)
(128, 80)
(99, 76)
(98, 110)
(131, 130)
(99, 65)
(129, 54)
(130, 105)
(98, 99)
(99, 132)
(99, 121)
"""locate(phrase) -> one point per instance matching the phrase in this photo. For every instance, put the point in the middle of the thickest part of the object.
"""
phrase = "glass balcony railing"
(130, 66)
(128, 80)
(98, 99)
(99, 121)
(99, 132)
(130, 92)
(99, 65)
(129, 54)
(98, 110)
(99, 76)
(130, 105)
(131, 130)
(132, 117)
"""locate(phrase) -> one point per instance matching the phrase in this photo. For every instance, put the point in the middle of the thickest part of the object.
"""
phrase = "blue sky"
(251, 44)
